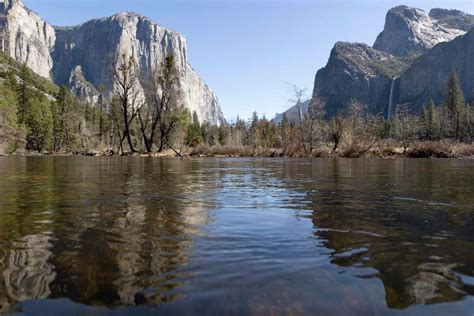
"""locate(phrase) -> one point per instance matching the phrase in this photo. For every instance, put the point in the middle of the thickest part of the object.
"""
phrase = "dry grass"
(441, 149)
(224, 151)
(382, 149)
(385, 149)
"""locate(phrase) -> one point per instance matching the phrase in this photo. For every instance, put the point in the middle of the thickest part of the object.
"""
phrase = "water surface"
(144, 236)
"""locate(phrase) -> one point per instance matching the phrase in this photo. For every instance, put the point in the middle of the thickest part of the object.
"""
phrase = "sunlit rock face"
(410, 31)
(26, 37)
(84, 56)
(97, 46)
(357, 71)
(410, 62)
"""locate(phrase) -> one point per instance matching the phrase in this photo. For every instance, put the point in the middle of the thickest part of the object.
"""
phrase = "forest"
(146, 115)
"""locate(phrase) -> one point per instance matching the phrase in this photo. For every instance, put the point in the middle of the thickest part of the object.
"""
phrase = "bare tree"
(336, 131)
(360, 132)
(128, 93)
(312, 119)
(406, 126)
(297, 98)
(161, 112)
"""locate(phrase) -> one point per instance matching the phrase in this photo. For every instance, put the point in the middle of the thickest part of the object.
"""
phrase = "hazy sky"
(246, 50)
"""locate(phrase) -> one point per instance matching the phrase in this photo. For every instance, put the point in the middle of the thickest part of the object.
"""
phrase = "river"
(225, 236)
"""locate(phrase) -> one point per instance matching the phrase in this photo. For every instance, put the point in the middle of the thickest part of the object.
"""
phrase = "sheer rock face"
(84, 56)
(81, 87)
(427, 76)
(26, 37)
(410, 31)
(357, 71)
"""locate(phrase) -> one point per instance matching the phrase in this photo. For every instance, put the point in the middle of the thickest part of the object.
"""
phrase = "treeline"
(146, 114)
(36, 115)
(439, 130)
(139, 115)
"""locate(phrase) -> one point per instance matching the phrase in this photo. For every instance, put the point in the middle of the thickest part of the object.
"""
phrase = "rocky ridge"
(409, 62)
(82, 57)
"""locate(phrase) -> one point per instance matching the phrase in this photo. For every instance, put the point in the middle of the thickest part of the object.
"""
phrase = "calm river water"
(101, 236)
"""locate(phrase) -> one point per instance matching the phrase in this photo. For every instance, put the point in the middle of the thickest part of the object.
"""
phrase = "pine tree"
(62, 115)
(39, 123)
(194, 136)
(23, 93)
(453, 101)
(431, 121)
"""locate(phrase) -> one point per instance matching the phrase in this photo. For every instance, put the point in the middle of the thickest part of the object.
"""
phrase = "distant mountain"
(292, 113)
(83, 56)
(411, 59)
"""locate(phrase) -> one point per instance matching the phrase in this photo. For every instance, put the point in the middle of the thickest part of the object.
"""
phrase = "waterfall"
(390, 99)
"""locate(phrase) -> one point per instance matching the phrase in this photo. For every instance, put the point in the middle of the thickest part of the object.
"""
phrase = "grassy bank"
(429, 149)
(441, 149)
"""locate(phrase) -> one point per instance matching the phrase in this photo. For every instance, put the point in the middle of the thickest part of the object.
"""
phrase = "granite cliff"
(410, 62)
(427, 76)
(411, 32)
(83, 56)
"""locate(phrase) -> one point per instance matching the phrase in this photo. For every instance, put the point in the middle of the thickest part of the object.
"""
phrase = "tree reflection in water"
(421, 248)
(238, 235)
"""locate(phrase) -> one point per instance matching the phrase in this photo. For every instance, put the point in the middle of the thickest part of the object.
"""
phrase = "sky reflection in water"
(236, 236)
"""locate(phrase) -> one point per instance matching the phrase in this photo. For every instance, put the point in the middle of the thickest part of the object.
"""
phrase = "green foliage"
(431, 123)
(194, 132)
(9, 66)
(8, 105)
(39, 123)
(453, 101)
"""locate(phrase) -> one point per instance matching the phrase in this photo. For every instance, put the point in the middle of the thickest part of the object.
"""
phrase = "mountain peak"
(127, 15)
(6, 5)
(81, 56)
(410, 31)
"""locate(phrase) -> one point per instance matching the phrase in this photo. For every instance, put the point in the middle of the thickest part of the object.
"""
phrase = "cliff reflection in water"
(410, 220)
(116, 235)
(237, 236)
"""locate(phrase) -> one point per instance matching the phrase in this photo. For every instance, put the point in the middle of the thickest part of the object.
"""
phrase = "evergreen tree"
(453, 101)
(194, 137)
(431, 122)
(23, 93)
(61, 111)
(39, 123)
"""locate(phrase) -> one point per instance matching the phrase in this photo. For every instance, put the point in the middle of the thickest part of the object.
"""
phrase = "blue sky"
(247, 50)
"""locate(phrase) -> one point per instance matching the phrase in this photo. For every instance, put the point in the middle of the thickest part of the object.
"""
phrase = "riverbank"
(438, 149)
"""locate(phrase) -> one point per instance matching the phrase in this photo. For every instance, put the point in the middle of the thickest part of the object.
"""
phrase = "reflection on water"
(236, 236)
